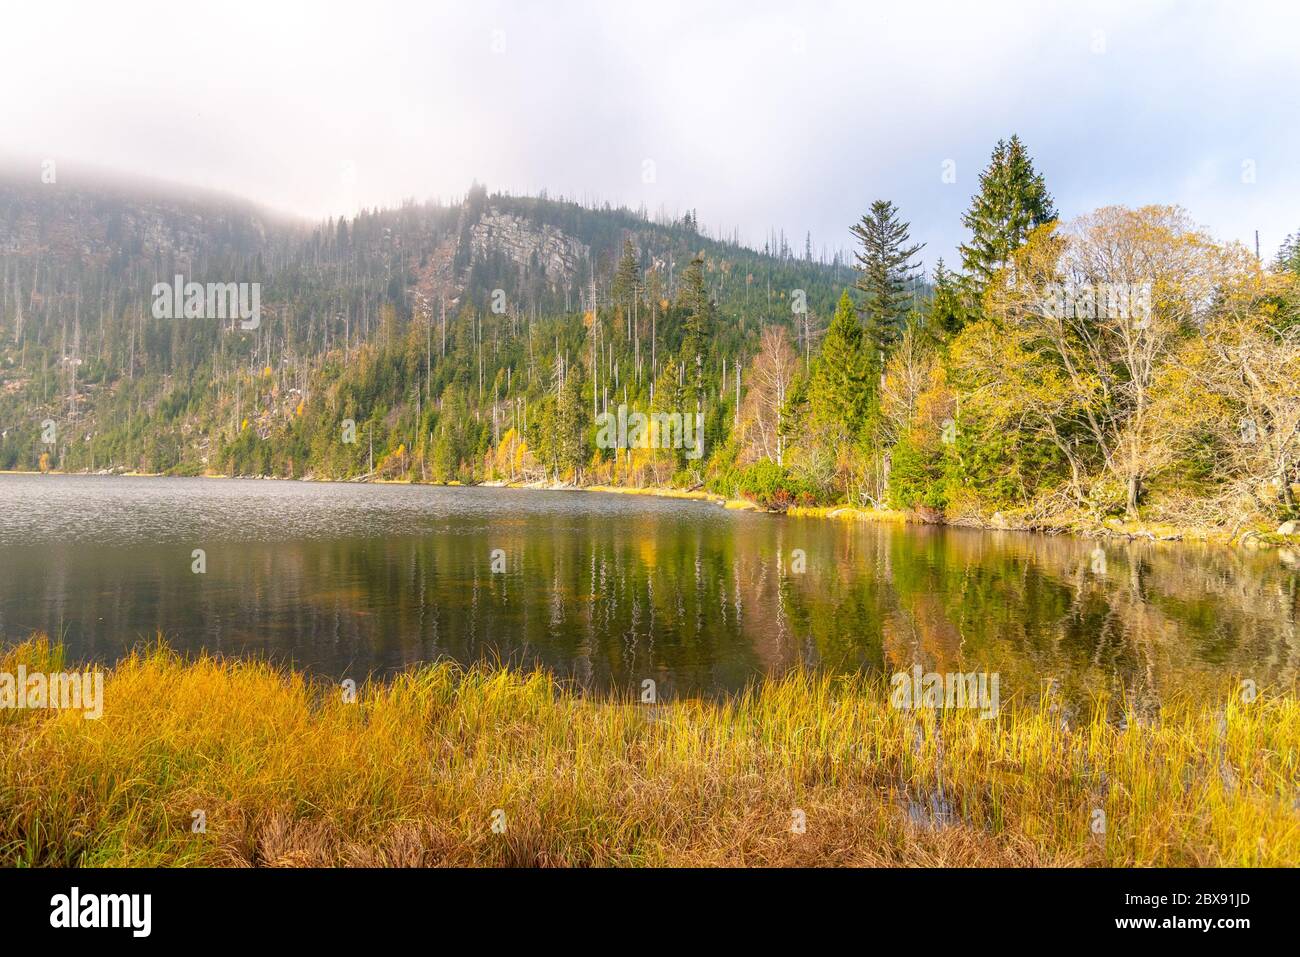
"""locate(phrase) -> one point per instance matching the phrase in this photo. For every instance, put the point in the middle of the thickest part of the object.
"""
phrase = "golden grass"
(849, 513)
(698, 495)
(411, 772)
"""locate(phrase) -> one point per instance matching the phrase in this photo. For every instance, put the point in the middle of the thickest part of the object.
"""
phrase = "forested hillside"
(1122, 363)
(390, 313)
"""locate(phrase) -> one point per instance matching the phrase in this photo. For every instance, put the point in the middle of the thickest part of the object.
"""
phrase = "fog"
(758, 115)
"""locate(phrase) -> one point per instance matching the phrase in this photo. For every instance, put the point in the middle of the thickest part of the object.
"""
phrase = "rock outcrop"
(529, 245)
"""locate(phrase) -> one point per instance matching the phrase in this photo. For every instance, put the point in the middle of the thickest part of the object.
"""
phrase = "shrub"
(916, 475)
(772, 486)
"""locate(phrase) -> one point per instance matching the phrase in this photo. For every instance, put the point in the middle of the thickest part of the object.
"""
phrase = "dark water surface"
(349, 580)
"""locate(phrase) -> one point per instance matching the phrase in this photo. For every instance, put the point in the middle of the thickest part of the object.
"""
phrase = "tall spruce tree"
(945, 313)
(569, 443)
(886, 265)
(698, 325)
(627, 279)
(1288, 255)
(1011, 202)
(842, 379)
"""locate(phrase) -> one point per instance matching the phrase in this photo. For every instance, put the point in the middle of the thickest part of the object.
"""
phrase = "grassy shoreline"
(287, 773)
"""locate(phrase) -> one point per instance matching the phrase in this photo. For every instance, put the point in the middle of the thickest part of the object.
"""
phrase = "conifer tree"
(887, 267)
(569, 445)
(842, 383)
(698, 327)
(669, 392)
(945, 314)
(794, 414)
(627, 279)
(1012, 201)
(1288, 255)
(670, 396)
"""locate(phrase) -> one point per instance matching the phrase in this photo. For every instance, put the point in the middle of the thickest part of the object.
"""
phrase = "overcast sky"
(793, 115)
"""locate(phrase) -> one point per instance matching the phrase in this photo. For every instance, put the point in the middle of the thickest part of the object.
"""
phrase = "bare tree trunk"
(1284, 481)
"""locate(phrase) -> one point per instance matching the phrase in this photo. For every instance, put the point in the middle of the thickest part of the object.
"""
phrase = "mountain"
(384, 313)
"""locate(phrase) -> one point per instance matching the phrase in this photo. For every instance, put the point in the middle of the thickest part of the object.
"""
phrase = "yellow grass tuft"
(287, 773)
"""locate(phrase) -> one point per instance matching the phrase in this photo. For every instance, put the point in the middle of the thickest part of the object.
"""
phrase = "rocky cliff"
(527, 244)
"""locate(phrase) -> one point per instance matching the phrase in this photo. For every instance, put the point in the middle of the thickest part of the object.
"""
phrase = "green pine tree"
(887, 267)
(945, 313)
(842, 382)
(1012, 201)
(1288, 255)
(670, 396)
(794, 414)
(570, 451)
(449, 437)
(627, 278)
(698, 328)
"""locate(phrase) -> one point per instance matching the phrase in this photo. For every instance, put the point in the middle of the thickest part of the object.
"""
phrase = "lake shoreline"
(1258, 537)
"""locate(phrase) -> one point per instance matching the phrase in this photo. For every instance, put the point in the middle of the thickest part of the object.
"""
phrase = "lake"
(608, 590)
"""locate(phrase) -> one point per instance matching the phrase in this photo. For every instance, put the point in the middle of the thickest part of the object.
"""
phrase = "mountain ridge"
(79, 345)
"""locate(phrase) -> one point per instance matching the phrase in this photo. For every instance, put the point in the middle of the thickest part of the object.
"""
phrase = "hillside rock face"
(529, 245)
